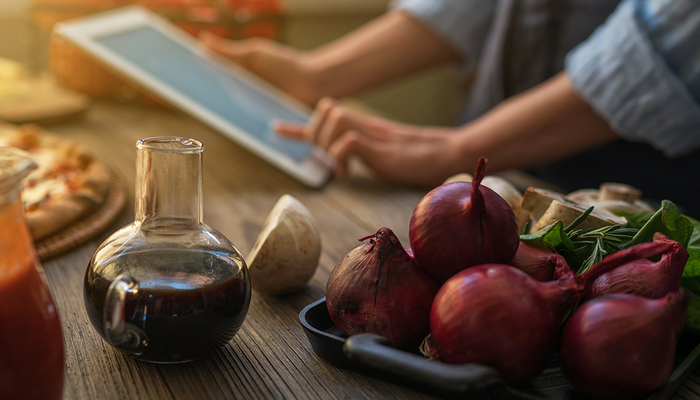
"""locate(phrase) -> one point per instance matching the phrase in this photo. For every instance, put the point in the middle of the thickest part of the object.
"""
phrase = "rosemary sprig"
(595, 257)
(604, 240)
(601, 241)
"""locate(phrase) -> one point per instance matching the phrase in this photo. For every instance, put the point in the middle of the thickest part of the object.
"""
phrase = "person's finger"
(337, 122)
(291, 130)
(340, 119)
(224, 47)
(318, 119)
(353, 142)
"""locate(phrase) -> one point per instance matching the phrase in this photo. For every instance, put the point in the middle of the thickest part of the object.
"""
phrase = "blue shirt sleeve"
(641, 72)
(465, 24)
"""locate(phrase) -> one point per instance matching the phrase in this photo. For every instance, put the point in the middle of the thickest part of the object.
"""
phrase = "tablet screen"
(210, 85)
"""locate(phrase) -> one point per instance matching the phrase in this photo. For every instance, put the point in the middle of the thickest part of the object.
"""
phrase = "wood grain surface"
(270, 357)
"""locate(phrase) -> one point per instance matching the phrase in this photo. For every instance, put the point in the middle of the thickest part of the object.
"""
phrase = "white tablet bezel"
(314, 171)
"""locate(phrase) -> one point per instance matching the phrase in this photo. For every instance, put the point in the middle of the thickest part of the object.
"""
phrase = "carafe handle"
(119, 333)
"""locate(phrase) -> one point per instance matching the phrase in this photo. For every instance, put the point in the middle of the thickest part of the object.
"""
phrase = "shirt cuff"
(626, 81)
(463, 23)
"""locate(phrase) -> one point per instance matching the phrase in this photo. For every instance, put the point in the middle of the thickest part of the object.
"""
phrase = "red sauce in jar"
(31, 341)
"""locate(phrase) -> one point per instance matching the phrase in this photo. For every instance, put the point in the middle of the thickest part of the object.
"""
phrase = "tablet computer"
(158, 56)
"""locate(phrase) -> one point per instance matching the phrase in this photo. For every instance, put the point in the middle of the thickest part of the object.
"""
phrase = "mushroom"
(568, 211)
(547, 206)
(286, 253)
(613, 197)
(538, 200)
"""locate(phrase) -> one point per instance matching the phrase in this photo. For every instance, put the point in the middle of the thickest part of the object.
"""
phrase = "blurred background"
(25, 25)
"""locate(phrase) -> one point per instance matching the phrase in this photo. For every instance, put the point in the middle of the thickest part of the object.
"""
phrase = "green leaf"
(667, 220)
(694, 241)
(692, 316)
(551, 237)
(691, 279)
(637, 220)
(578, 257)
(691, 274)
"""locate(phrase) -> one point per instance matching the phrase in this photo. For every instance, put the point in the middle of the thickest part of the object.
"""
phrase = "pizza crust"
(46, 221)
(68, 185)
(95, 183)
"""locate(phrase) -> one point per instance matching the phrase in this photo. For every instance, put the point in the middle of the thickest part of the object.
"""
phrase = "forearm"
(387, 48)
(547, 123)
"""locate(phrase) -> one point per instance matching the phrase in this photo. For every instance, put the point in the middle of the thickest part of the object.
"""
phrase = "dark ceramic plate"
(373, 355)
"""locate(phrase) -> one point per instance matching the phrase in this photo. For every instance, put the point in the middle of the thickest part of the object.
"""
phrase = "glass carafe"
(31, 340)
(167, 288)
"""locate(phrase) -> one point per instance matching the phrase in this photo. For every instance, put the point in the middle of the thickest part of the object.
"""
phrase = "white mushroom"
(567, 212)
(463, 177)
(613, 197)
(537, 201)
(286, 253)
(619, 191)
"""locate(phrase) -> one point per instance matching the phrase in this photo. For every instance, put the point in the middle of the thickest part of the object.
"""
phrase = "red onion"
(378, 288)
(498, 316)
(461, 224)
(538, 263)
(644, 277)
(622, 346)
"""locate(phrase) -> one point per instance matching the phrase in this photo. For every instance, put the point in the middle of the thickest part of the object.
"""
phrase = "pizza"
(67, 185)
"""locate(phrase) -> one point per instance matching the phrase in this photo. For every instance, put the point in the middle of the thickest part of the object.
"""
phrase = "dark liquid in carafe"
(183, 314)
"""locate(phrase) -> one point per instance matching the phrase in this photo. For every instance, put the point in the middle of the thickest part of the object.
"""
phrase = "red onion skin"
(538, 263)
(498, 316)
(622, 346)
(644, 277)
(378, 288)
(461, 224)
(470, 325)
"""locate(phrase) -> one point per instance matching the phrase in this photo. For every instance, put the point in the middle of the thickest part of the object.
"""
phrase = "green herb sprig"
(601, 242)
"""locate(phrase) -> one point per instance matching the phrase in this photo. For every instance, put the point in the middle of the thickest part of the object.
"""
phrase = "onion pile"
(498, 316)
(461, 224)
(378, 288)
(622, 346)
(502, 302)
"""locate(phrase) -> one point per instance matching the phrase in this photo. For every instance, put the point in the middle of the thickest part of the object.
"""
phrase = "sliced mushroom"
(538, 200)
(619, 191)
(613, 197)
(568, 211)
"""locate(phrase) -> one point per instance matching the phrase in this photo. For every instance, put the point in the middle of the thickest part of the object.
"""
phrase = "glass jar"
(167, 288)
(31, 341)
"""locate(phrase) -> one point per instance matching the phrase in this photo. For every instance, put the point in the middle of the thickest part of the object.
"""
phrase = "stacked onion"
(464, 238)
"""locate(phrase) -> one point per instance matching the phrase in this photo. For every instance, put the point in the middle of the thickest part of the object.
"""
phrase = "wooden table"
(270, 357)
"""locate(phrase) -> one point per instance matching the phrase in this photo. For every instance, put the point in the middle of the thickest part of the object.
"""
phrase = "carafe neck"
(169, 183)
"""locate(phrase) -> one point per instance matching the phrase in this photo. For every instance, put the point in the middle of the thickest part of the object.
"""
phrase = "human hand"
(423, 156)
(283, 66)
